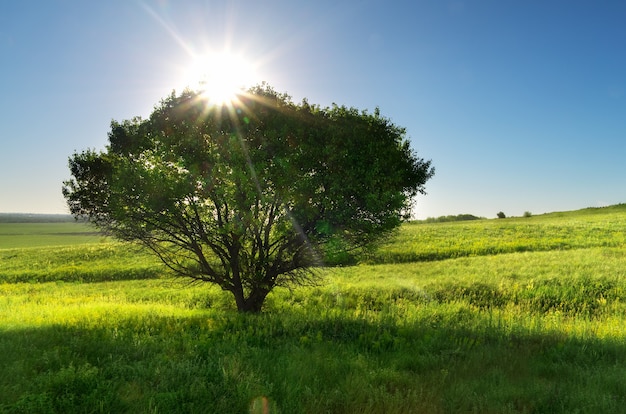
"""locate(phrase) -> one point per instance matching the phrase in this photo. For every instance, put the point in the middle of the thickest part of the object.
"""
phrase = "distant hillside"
(616, 208)
(35, 218)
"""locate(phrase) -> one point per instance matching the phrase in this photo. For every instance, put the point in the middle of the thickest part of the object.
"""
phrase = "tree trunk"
(253, 303)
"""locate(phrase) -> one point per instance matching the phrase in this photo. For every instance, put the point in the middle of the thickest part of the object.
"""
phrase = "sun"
(220, 76)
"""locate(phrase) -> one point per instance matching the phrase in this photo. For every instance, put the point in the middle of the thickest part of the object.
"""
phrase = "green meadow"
(41, 234)
(516, 315)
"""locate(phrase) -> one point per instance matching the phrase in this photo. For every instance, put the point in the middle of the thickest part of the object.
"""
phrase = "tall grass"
(77, 263)
(538, 331)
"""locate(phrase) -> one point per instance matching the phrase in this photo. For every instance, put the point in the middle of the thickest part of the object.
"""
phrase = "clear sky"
(521, 105)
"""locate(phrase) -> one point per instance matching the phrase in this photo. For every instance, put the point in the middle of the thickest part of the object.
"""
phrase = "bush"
(501, 215)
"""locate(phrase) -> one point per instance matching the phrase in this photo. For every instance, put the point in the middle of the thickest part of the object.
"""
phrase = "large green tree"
(252, 194)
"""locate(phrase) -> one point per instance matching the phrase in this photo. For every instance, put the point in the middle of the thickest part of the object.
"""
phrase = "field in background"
(583, 229)
(502, 316)
(27, 230)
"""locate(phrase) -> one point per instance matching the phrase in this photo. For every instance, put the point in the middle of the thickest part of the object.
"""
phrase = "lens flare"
(219, 76)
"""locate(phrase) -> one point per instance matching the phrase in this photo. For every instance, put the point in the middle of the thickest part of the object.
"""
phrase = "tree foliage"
(250, 195)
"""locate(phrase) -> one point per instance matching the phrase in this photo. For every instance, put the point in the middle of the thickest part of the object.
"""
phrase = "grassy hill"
(591, 227)
(516, 315)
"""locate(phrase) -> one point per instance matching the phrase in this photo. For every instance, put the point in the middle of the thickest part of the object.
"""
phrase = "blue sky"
(521, 105)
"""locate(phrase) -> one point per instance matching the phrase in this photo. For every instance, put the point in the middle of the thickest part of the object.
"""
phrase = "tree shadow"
(223, 361)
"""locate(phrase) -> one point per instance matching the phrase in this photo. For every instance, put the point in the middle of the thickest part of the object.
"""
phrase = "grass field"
(520, 315)
(21, 235)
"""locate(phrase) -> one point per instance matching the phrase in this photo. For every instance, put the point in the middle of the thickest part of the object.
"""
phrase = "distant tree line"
(445, 219)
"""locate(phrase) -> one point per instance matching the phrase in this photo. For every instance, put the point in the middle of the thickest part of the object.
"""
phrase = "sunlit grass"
(24, 235)
(103, 328)
(78, 263)
(557, 231)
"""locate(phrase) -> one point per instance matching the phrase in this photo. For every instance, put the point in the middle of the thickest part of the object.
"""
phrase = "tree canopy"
(249, 195)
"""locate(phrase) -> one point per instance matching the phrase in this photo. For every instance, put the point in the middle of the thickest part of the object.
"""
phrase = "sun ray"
(219, 75)
(170, 30)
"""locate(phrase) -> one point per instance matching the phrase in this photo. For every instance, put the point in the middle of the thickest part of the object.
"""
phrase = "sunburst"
(219, 76)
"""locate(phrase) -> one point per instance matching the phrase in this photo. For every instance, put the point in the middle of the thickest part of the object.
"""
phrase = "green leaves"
(252, 194)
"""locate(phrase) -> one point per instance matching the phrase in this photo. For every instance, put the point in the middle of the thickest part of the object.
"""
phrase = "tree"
(249, 195)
